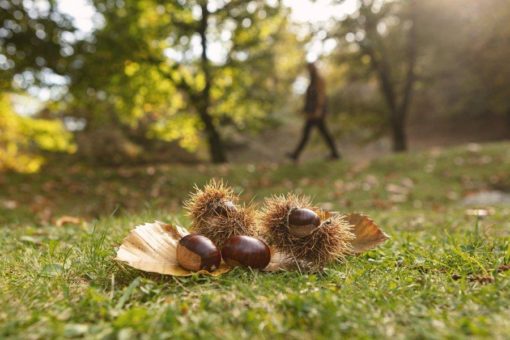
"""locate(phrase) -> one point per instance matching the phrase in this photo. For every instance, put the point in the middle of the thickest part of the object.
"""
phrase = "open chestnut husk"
(216, 213)
(246, 251)
(302, 222)
(197, 252)
(306, 235)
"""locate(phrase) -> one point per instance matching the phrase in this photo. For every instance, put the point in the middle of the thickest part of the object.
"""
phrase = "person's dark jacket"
(315, 100)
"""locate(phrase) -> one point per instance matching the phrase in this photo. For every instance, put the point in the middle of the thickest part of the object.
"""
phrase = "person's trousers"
(321, 125)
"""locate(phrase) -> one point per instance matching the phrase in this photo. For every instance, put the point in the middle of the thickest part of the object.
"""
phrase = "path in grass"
(443, 273)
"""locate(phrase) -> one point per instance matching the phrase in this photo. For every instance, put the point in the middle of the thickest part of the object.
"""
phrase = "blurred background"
(127, 82)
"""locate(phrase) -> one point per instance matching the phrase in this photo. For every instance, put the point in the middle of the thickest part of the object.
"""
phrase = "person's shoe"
(292, 156)
(334, 157)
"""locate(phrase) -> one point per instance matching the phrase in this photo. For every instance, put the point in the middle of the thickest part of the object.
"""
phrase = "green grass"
(437, 277)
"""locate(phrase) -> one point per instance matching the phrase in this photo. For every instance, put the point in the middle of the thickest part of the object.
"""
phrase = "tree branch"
(180, 84)
(411, 54)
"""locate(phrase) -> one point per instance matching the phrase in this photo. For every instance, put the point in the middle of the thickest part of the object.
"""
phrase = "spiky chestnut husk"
(329, 242)
(216, 213)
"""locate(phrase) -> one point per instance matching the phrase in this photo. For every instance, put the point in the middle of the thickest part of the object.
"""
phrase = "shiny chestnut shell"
(197, 252)
(302, 222)
(246, 251)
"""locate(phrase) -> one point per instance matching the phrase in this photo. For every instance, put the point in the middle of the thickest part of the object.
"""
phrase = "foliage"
(202, 72)
(144, 67)
(466, 69)
(460, 66)
(142, 72)
(33, 42)
(380, 42)
(21, 138)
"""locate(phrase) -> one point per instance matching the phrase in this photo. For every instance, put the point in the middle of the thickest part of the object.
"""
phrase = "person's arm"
(321, 99)
(308, 110)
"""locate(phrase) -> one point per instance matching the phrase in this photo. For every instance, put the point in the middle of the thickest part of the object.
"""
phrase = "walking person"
(315, 113)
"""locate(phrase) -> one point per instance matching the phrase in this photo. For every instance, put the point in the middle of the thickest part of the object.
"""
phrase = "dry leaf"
(503, 268)
(278, 262)
(63, 220)
(368, 234)
(480, 213)
(151, 247)
(396, 189)
(481, 279)
(10, 204)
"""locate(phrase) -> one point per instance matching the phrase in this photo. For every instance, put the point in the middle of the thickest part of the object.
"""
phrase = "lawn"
(443, 273)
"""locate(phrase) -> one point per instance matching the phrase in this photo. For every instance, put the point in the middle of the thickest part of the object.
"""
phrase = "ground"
(443, 273)
(423, 132)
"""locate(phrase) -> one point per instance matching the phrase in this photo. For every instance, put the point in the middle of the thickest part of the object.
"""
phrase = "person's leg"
(304, 139)
(327, 137)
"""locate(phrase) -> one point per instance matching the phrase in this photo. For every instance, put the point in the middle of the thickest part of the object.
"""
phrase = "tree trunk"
(399, 130)
(216, 148)
(508, 118)
(399, 135)
(397, 118)
(398, 109)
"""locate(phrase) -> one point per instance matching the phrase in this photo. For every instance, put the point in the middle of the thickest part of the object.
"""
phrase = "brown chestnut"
(197, 252)
(302, 222)
(246, 251)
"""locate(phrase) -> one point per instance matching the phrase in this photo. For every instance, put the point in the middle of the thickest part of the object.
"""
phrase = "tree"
(467, 72)
(22, 139)
(32, 49)
(32, 42)
(151, 66)
(381, 37)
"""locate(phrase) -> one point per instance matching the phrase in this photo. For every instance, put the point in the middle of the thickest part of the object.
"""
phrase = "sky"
(303, 11)
(319, 10)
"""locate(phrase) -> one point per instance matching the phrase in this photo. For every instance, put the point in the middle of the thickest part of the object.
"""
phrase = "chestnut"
(246, 251)
(196, 252)
(302, 222)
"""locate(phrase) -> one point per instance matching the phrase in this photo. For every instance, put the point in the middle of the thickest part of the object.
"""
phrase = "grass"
(442, 274)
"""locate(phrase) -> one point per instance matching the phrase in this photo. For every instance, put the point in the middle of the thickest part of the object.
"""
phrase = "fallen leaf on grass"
(479, 212)
(481, 279)
(398, 198)
(278, 262)
(381, 204)
(10, 204)
(63, 220)
(367, 232)
(503, 268)
(151, 247)
(397, 189)
(31, 239)
(474, 147)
